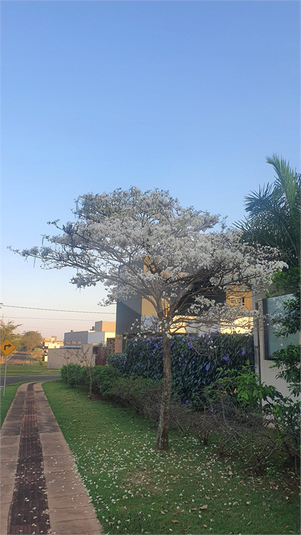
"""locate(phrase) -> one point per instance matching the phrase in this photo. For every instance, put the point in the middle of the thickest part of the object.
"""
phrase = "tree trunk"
(90, 382)
(162, 437)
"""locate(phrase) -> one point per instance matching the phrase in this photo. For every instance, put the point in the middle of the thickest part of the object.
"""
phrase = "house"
(130, 310)
(51, 342)
(81, 346)
(99, 334)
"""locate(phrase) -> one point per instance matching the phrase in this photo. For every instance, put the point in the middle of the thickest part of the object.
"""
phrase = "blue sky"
(186, 96)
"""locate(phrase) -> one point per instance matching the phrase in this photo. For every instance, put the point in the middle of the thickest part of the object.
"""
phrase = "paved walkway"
(41, 490)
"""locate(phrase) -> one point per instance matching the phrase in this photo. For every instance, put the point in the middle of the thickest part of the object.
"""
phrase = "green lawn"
(187, 490)
(5, 402)
(24, 371)
(34, 369)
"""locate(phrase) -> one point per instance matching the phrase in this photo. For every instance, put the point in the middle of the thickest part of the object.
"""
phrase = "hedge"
(196, 361)
(102, 376)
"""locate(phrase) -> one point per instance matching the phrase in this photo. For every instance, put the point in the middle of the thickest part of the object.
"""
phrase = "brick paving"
(28, 510)
(41, 490)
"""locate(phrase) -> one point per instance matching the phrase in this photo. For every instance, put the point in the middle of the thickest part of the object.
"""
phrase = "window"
(272, 307)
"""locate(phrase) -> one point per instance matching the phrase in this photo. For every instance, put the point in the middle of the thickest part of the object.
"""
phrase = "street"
(27, 379)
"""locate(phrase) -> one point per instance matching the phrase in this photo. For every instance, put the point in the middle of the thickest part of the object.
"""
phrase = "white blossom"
(146, 244)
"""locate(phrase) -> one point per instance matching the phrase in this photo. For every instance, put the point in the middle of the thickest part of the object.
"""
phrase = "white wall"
(58, 357)
(268, 376)
(96, 337)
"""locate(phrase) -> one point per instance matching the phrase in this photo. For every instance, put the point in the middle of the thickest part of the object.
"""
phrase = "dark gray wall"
(127, 312)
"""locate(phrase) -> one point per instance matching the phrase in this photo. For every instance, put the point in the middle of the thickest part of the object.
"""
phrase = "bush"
(255, 417)
(143, 395)
(230, 411)
(101, 376)
(71, 374)
(285, 415)
(74, 374)
(196, 361)
(64, 373)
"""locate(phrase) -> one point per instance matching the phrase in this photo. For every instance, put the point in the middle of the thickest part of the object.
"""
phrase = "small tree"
(83, 356)
(30, 340)
(7, 332)
(147, 244)
(37, 354)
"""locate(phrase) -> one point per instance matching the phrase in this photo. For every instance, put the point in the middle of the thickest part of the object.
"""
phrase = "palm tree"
(274, 213)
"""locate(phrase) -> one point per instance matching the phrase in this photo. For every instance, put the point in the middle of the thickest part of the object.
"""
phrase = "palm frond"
(274, 212)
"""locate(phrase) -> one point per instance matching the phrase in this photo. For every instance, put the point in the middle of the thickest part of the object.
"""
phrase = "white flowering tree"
(146, 243)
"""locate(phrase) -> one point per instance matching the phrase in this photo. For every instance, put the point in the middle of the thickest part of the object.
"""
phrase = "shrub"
(255, 417)
(196, 361)
(143, 395)
(285, 415)
(64, 373)
(72, 374)
(103, 378)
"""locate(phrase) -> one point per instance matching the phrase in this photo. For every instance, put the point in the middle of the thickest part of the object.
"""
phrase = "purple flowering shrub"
(197, 361)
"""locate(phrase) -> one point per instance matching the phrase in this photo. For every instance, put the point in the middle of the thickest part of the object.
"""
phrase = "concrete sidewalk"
(69, 509)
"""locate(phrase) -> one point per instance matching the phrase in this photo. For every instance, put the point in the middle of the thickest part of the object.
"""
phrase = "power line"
(47, 319)
(57, 310)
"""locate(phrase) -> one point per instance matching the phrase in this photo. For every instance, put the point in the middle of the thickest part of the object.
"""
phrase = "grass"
(5, 402)
(186, 490)
(34, 369)
(13, 371)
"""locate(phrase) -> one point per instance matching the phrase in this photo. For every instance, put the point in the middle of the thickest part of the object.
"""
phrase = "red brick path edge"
(41, 489)
(28, 510)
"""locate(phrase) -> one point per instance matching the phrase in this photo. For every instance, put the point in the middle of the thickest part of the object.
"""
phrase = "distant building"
(99, 334)
(51, 342)
(93, 344)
